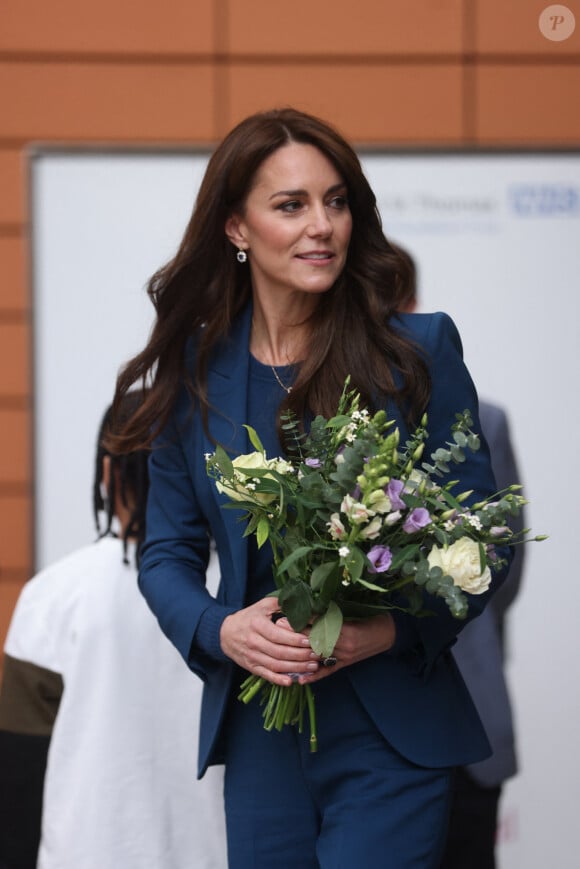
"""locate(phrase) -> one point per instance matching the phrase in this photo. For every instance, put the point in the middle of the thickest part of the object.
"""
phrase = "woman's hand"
(357, 641)
(269, 649)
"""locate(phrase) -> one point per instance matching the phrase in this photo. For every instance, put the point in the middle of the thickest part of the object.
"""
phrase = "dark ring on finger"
(329, 661)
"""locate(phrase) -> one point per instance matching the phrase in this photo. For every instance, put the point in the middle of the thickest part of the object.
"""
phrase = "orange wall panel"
(14, 359)
(9, 591)
(331, 27)
(530, 105)
(113, 102)
(13, 198)
(13, 292)
(15, 532)
(513, 28)
(14, 446)
(109, 26)
(368, 103)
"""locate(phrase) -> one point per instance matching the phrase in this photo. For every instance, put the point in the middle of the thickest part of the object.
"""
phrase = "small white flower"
(207, 456)
(345, 582)
(475, 522)
(449, 525)
(343, 551)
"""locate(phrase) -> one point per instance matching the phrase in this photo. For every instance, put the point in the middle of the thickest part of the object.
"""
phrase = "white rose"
(461, 562)
(243, 486)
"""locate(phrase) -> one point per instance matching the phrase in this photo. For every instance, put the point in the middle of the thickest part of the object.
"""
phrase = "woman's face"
(296, 225)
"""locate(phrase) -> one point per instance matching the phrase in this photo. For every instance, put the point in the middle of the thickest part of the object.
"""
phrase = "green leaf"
(294, 556)
(482, 557)
(355, 610)
(355, 563)
(369, 585)
(407, 553)
(254, 439)
(262, 531)
(326, 630)
(296, 603)
(224, 463)
(320, 574)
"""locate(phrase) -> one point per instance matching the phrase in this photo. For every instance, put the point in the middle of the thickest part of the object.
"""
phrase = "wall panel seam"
(292, 58)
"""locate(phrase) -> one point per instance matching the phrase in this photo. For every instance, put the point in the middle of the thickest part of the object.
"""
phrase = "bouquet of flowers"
(358, 525)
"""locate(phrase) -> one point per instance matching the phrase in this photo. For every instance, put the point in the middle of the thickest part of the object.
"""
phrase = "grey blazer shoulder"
(479, 651)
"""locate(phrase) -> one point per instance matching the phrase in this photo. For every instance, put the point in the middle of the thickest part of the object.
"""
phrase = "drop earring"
(241, 256)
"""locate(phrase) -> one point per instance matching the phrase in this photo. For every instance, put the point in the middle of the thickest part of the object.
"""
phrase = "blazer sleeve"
(175, 555)
(452, 392)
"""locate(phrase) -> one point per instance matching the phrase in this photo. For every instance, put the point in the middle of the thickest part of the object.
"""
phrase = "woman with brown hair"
(283, 285)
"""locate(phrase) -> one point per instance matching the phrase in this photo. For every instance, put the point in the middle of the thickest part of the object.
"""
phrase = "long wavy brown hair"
(203, 288)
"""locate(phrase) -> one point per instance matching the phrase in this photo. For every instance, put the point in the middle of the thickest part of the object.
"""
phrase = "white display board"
(497, 242)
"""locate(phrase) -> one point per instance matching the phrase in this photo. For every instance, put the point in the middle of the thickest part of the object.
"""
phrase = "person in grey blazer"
(480, 655)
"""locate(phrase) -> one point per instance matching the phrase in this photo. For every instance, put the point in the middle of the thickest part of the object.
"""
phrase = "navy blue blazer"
(414, 692)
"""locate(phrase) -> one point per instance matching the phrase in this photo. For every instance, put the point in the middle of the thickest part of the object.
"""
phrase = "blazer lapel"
(228, 394)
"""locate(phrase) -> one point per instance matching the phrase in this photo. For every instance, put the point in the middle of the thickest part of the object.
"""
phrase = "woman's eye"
(338, 202)
(290, 207)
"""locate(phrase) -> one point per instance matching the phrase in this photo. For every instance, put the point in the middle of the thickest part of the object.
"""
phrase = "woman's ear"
(235, 231)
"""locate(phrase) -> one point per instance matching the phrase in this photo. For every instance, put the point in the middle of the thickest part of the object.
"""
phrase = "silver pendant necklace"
(287, 389)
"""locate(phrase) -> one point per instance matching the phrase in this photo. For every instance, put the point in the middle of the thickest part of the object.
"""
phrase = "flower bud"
(418, 452)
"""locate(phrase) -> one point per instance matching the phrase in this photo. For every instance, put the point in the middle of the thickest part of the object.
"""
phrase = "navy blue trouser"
(354, 803)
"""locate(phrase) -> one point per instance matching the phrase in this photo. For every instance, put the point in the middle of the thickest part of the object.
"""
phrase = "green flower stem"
(282, 705)
(312, 718)
(250, 687)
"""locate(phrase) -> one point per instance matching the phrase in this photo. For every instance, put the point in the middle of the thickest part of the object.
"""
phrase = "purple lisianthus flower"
(417, 519)
(380, 557)
(313, 463)
(393, 492)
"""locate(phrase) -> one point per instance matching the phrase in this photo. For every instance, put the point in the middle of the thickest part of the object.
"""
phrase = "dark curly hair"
(203, 289)
(129, 476)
